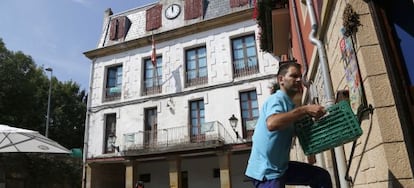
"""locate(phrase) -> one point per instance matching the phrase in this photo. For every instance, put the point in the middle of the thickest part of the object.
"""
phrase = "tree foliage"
(24, 88)
(24, 94)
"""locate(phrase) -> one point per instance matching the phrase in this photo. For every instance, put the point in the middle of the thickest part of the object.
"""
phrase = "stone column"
(224, 163)
(88, 180)
(174, 164)
(130, 178)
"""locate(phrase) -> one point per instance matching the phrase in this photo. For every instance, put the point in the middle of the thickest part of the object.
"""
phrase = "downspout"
(339, 151)
(319, 157)
(86, 135)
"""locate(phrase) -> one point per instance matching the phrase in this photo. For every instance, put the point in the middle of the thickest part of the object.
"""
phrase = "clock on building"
(172, 11)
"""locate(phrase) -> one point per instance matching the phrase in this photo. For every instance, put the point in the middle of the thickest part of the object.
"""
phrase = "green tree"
(23, 99)
(21, 88)
(24, 88)
(69, 108)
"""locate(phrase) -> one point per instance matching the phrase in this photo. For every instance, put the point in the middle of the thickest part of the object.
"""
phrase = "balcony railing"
(246, 71)
(177, 138)
(196, 81)
(152, 90)
(112, 93)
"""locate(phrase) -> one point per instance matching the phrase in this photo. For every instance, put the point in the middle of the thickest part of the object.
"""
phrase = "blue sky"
(55, 33)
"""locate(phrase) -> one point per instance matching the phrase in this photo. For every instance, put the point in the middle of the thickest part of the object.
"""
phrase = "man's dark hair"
(283, 67)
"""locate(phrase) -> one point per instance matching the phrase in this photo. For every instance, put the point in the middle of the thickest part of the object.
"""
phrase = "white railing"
(209, 132)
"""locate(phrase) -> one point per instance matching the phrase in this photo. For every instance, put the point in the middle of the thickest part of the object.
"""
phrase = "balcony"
(152, 90)
(241, 70)
(112, 93)
(196, 81)
(211, 134)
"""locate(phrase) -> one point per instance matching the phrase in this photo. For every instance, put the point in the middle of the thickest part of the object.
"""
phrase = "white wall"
(220, 103)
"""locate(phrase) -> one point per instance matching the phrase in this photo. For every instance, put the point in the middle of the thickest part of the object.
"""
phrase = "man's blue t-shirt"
(270, 151)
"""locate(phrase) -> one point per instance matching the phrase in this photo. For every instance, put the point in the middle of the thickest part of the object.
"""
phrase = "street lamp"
(233, 123)
(48, 102)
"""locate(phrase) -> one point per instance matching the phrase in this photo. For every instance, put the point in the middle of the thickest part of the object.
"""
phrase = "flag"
(255, 10)
(154, 54)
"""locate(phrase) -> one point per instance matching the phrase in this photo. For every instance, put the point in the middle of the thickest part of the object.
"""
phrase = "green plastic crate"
(340, 126)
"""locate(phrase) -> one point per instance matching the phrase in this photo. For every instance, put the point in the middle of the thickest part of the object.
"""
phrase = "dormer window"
(153, 17)
(119, 28)
(193, 9)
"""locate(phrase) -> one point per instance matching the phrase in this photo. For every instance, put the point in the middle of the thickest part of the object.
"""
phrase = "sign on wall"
(352, 76)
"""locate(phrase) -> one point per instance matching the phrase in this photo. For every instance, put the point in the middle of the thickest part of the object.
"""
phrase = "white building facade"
(160, 115)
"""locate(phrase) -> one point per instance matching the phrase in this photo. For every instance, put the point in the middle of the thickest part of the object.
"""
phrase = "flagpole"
(154, 61)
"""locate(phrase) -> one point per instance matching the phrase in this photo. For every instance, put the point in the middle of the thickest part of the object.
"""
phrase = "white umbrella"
(22, 140)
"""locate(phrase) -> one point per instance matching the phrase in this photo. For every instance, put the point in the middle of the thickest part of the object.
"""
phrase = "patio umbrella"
(23, 140)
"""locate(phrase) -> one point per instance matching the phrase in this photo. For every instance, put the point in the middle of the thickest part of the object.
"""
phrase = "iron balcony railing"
(196, 81)
(151, 90)
(245, 70)
(112, 93)
(209, 134)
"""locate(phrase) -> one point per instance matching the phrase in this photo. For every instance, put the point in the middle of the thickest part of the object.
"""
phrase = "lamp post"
(48, 102)
(233, 123)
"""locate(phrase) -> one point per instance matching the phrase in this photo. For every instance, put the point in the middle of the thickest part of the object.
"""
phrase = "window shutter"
(119, 27)
(193, 9)
(123, 26)
(153, 17)
(243, 2)
(238, 3)
(113, 29)
(234, 3)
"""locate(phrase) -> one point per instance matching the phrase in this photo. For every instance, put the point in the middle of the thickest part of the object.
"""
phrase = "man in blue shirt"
(269, 164)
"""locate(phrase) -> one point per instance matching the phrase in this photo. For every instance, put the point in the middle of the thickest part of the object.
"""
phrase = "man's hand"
(282, 120)
(315, 111)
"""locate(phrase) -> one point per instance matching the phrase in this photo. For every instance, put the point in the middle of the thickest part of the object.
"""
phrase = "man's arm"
(282, 120)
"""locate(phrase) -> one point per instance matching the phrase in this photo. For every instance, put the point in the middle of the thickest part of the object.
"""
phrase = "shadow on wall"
(175, 74)
(393, 181)
(368, 133)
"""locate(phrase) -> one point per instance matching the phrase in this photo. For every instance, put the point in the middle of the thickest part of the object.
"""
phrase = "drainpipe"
(319, 157)
(86, 134)
(339, 151)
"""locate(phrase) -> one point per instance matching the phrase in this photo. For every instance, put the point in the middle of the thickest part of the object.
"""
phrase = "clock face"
(172, 11)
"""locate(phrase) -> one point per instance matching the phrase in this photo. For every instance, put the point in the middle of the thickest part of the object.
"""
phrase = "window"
(150, 129)
(400, 33)
(196, 120)
(250, 112)
(152, 76)
(146, 178)
(244, 56)
(113, 86)
(110, 132)
(216, 173)
(196, 66)
(119, 27)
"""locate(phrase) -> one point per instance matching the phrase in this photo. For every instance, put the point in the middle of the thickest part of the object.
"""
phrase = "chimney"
(105, 26)
(108, 12)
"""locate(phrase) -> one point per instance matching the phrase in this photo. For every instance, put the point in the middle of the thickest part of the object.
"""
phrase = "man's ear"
(280, 80)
